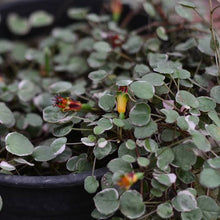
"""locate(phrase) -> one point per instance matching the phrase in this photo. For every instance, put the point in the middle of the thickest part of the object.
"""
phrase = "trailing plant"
(144, 102)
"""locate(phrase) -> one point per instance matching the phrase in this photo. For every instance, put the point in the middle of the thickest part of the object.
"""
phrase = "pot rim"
(45, 182)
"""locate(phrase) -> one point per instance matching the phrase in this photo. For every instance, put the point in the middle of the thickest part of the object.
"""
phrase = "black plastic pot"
(46, 197)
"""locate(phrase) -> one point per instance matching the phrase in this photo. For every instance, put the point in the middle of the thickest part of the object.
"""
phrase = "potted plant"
(142, 102)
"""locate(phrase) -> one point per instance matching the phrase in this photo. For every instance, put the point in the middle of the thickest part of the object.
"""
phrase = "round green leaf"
(26, 90)
(214, 131)
(165, 179)
(100, 153)
(6, 166)
(6, 115)
(209, 207)
(97, 75)
(171, 115)
(107, 102)
(60, 87)
(214, 163)
(195, 214)
(206, 104)
(43, 153)
(133, 44)
(1, 203)
(106, 201)
(18, 144)
(184, 156)
(154, 79)
(91, 184)
(62, 130)
(161, 33)
(142, 89)
(145, 131)
(165, 210)
(131, 204)
(143, 162)
(184, 201)
(119, 164)
(58, 145)
(215, 94)
(17, 24)
(40, 19)
(102, 46)
(141, 69)
(165, 156)
(185, 98)
(210, 178)
(130, 144)
(140, 114)
(34, 120)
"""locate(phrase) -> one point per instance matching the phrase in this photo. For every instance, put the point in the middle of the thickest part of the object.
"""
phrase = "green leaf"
(77, 13)
(165, 179)
(187, 4)
(214, 163)
(184, 156)
(200, 141)
(53, 114)
(215, 94)
(18, 144)
(58, 145)
(7, 166)
(165, 210)
(214, 116)
(145, 131)
(40, 19)
(185, 176)
(210, 178)
(133, 44)
(206, 104)
(209, 208)
(142, 89)
(150, 145)
(60, 87)
(181, 74)
(140, 114)
(165, 156)
(184, 201)
(161, 33)
(26, 90)
(43, 153)
(143, 162)
(91, 184)
(102, 46)
(164, 68)
(17, 24)
(107, 102)
(214, 131)
(185, 98)
(148, 7)
(6, 116)
(118, 122)
(130, 144)
(154, 79)
(105, 123)
(141, 69)
(131, 204)
(182, 123)
(171, 115)
(1, 203)
(184, 12)
(62, 130)
(106, 201)
(190, 43)
(100, 153)
(119, 164)
(98, 75)
(34, 120)
(204, 46)
(97, 215)
(168, 135)
(195, 214)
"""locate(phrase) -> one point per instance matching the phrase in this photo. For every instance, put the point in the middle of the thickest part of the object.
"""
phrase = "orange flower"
(128, 179)
(122, 99)
(67, 103)
(116, 8)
